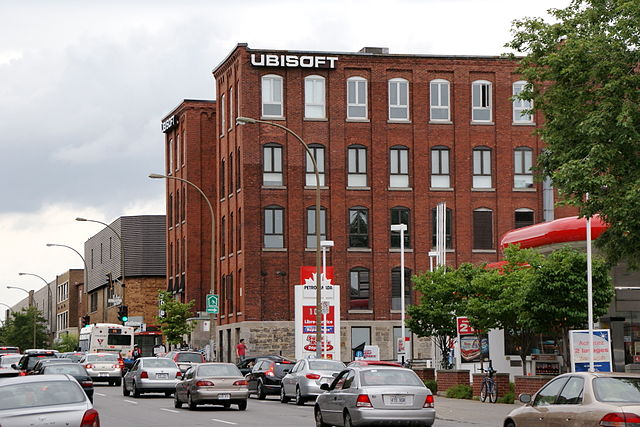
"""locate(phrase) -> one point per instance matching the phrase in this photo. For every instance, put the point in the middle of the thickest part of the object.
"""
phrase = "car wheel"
(176, 401)
(125, 390)
(510, 424)
(118, 382)
(319, 421)
(168, 393)
(283, 396)
(134, 390)
(347, 420)
(192, 405)
(261, 393)
(299, 398)
(242, 405)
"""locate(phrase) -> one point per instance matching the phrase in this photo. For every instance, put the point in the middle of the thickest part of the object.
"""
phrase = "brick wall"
(449, 378)
(530, 384)
(425, 373)
(502, 381)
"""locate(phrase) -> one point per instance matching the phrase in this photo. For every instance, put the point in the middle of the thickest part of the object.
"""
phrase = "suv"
(266, 376)
(247, 364)
(185, 359)
(29, 360)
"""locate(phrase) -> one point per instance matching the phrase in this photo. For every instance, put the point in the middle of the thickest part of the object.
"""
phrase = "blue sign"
(359, 353)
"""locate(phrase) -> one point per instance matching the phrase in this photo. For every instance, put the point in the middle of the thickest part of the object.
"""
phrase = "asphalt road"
(156, 410)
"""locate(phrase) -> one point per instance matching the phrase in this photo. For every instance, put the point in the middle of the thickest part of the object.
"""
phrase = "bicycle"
(489, 388)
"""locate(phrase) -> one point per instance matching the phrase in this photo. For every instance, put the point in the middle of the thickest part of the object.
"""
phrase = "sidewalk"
(471, 412)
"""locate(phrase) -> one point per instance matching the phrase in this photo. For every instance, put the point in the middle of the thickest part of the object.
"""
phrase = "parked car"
(266, 376)
(375, 395)
(372, 363)
(185, 359)
(212, 383)
(581, 399)
(8, 365)
(304, 380)
(70, 368)
(151, 375)
(40, 364)
(45, 400)
(28, 360)
(103, 367)
(74, 356)
(247, 364)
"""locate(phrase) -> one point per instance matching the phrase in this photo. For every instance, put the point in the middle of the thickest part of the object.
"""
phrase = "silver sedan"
(151, 375)
(212, 383)
(306, 377)
(375, 395)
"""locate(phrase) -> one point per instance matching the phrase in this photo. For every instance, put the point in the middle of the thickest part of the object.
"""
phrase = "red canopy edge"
(569, 229)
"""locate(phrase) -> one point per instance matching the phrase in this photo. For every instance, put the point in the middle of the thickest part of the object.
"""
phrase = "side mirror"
(286, 371)
(15, 366)
(324, 386)
(524, 398)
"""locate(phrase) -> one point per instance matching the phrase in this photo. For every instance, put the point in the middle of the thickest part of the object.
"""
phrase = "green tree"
(174, 323)
(66, 343)
(21, 326)
(443, 295)
(584, 75)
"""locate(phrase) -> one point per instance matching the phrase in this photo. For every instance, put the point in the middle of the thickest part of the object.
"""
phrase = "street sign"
(212, 303)
(115, 301)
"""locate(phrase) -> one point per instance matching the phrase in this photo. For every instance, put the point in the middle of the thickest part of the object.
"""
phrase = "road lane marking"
(100, 394)
(130, 401)
(170, 410)
(223, 421)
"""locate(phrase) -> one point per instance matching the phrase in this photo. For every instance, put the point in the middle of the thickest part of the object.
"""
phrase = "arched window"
(318, 154)
(522, 163)
(311, 225)
(439, 100)
(481, 101)
(358, 227)
(398, 99)
(357, 98)
(357, 168)
(440, 177)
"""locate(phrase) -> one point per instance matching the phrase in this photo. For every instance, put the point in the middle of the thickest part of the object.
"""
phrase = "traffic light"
(86, 320)
(123, 313)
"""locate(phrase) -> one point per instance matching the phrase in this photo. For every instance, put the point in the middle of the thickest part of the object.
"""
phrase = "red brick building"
(394, 135)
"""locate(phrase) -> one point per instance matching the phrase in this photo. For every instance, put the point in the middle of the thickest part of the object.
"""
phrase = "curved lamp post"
(86, 269)
(49, 303)
(248, 120)
(212, 320)
(30, 305)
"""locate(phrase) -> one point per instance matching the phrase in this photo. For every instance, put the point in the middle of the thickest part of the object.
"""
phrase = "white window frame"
(311, 226)
(519, 105)
(271, 96)
(357, 166)
(272, 166)
(315, 97)
(223, 107)
(440, 168)
(399, 167)
(481, 102)
(310, 176)
(438, 88)
(522, 175)
(357, 102)
(170, 155)
(482, 167)
(398, 87)
(231, 109)
(273, 233)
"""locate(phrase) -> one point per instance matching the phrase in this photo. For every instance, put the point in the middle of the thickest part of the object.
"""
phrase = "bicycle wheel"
(483, 391)
(493, 392)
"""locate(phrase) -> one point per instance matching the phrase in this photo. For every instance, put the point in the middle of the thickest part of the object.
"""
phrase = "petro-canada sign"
(292, 61)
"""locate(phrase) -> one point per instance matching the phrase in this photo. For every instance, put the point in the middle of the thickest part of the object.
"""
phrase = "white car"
(151, 375)
(105, 367)
(304, 381)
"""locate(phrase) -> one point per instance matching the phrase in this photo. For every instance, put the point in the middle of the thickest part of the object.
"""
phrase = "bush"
(507, 398)
(460, 391)
(431, 385)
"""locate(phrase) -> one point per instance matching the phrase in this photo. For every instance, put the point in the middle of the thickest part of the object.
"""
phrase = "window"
(448, 227)
(318, 154)
(521, 105)
(358, 227)
(178, 205)
(314, 97)
(571, 393)
(178, 151)
(231, 241)
(481, 101)
(183, 208)
(223, 227)
(400, 215)
(231, 109)
(523, 217)
(272, 167)
(223, 112)
(170, 157)
(272, 96)
(273, 227)
(483, 229)
(93, 301)
(360, 335)
(547, 396)
(184, 147)
(170, 211)
(399, 167)
(356, 98)
(231, 181)
(311, 226)
(439, 99)
(482, 167)
(238, 169)
(440, 167)
(522, 162)
(396, 293)
(357, 166)
(398, 99)
(239, 232)
(359, 286)
(223, 190)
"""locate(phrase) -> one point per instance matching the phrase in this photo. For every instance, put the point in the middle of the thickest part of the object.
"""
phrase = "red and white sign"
(464, 327)
(309, 320)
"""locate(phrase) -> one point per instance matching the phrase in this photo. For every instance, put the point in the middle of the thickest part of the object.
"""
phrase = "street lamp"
(30, 306)
(248, 120)
(212, 319)
(49, 304)
(325, 244)
(86, 268)
(401, 228)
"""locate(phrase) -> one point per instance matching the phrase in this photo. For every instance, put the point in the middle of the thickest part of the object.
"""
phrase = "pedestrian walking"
(136, 353)
(241, 350)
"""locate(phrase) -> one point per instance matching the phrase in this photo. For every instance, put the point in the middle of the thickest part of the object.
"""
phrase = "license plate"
(398, 400)
(162, 376)
(103, 374)
(225, 396)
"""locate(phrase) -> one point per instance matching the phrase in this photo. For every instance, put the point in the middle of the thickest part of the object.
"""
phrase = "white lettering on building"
(292, 61)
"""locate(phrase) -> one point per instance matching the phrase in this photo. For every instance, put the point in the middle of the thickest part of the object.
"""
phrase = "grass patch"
(431, 385)
(460, 391)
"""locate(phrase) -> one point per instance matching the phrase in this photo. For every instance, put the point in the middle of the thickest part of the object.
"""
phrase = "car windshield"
(326, 365)
(158, 363)
(73, 357)
(45, 393)
(374, 377)
(189, 357)
(68, 368)
(9, 360)
(617, 389)
(219, 371)
(32, 360)
(101, 358)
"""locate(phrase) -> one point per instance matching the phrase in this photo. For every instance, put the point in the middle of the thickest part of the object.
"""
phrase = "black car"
(41, 363)
(73, 369)
(29, 360)
(247, 364)
(266, 376)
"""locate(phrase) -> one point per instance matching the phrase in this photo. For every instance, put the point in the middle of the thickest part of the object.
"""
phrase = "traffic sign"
(212, 303)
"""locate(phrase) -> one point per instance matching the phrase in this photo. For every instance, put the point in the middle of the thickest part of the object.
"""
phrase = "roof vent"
(375, 50)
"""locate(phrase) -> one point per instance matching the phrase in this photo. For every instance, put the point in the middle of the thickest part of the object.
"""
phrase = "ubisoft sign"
(293, 61)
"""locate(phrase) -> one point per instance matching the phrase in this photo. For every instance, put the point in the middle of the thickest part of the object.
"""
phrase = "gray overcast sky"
(84, 84)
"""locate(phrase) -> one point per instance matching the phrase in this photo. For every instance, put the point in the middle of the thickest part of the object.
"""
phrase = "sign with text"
(212, 303)
(292, 61)
(468, 343)
(580, 351)
(464, 327)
